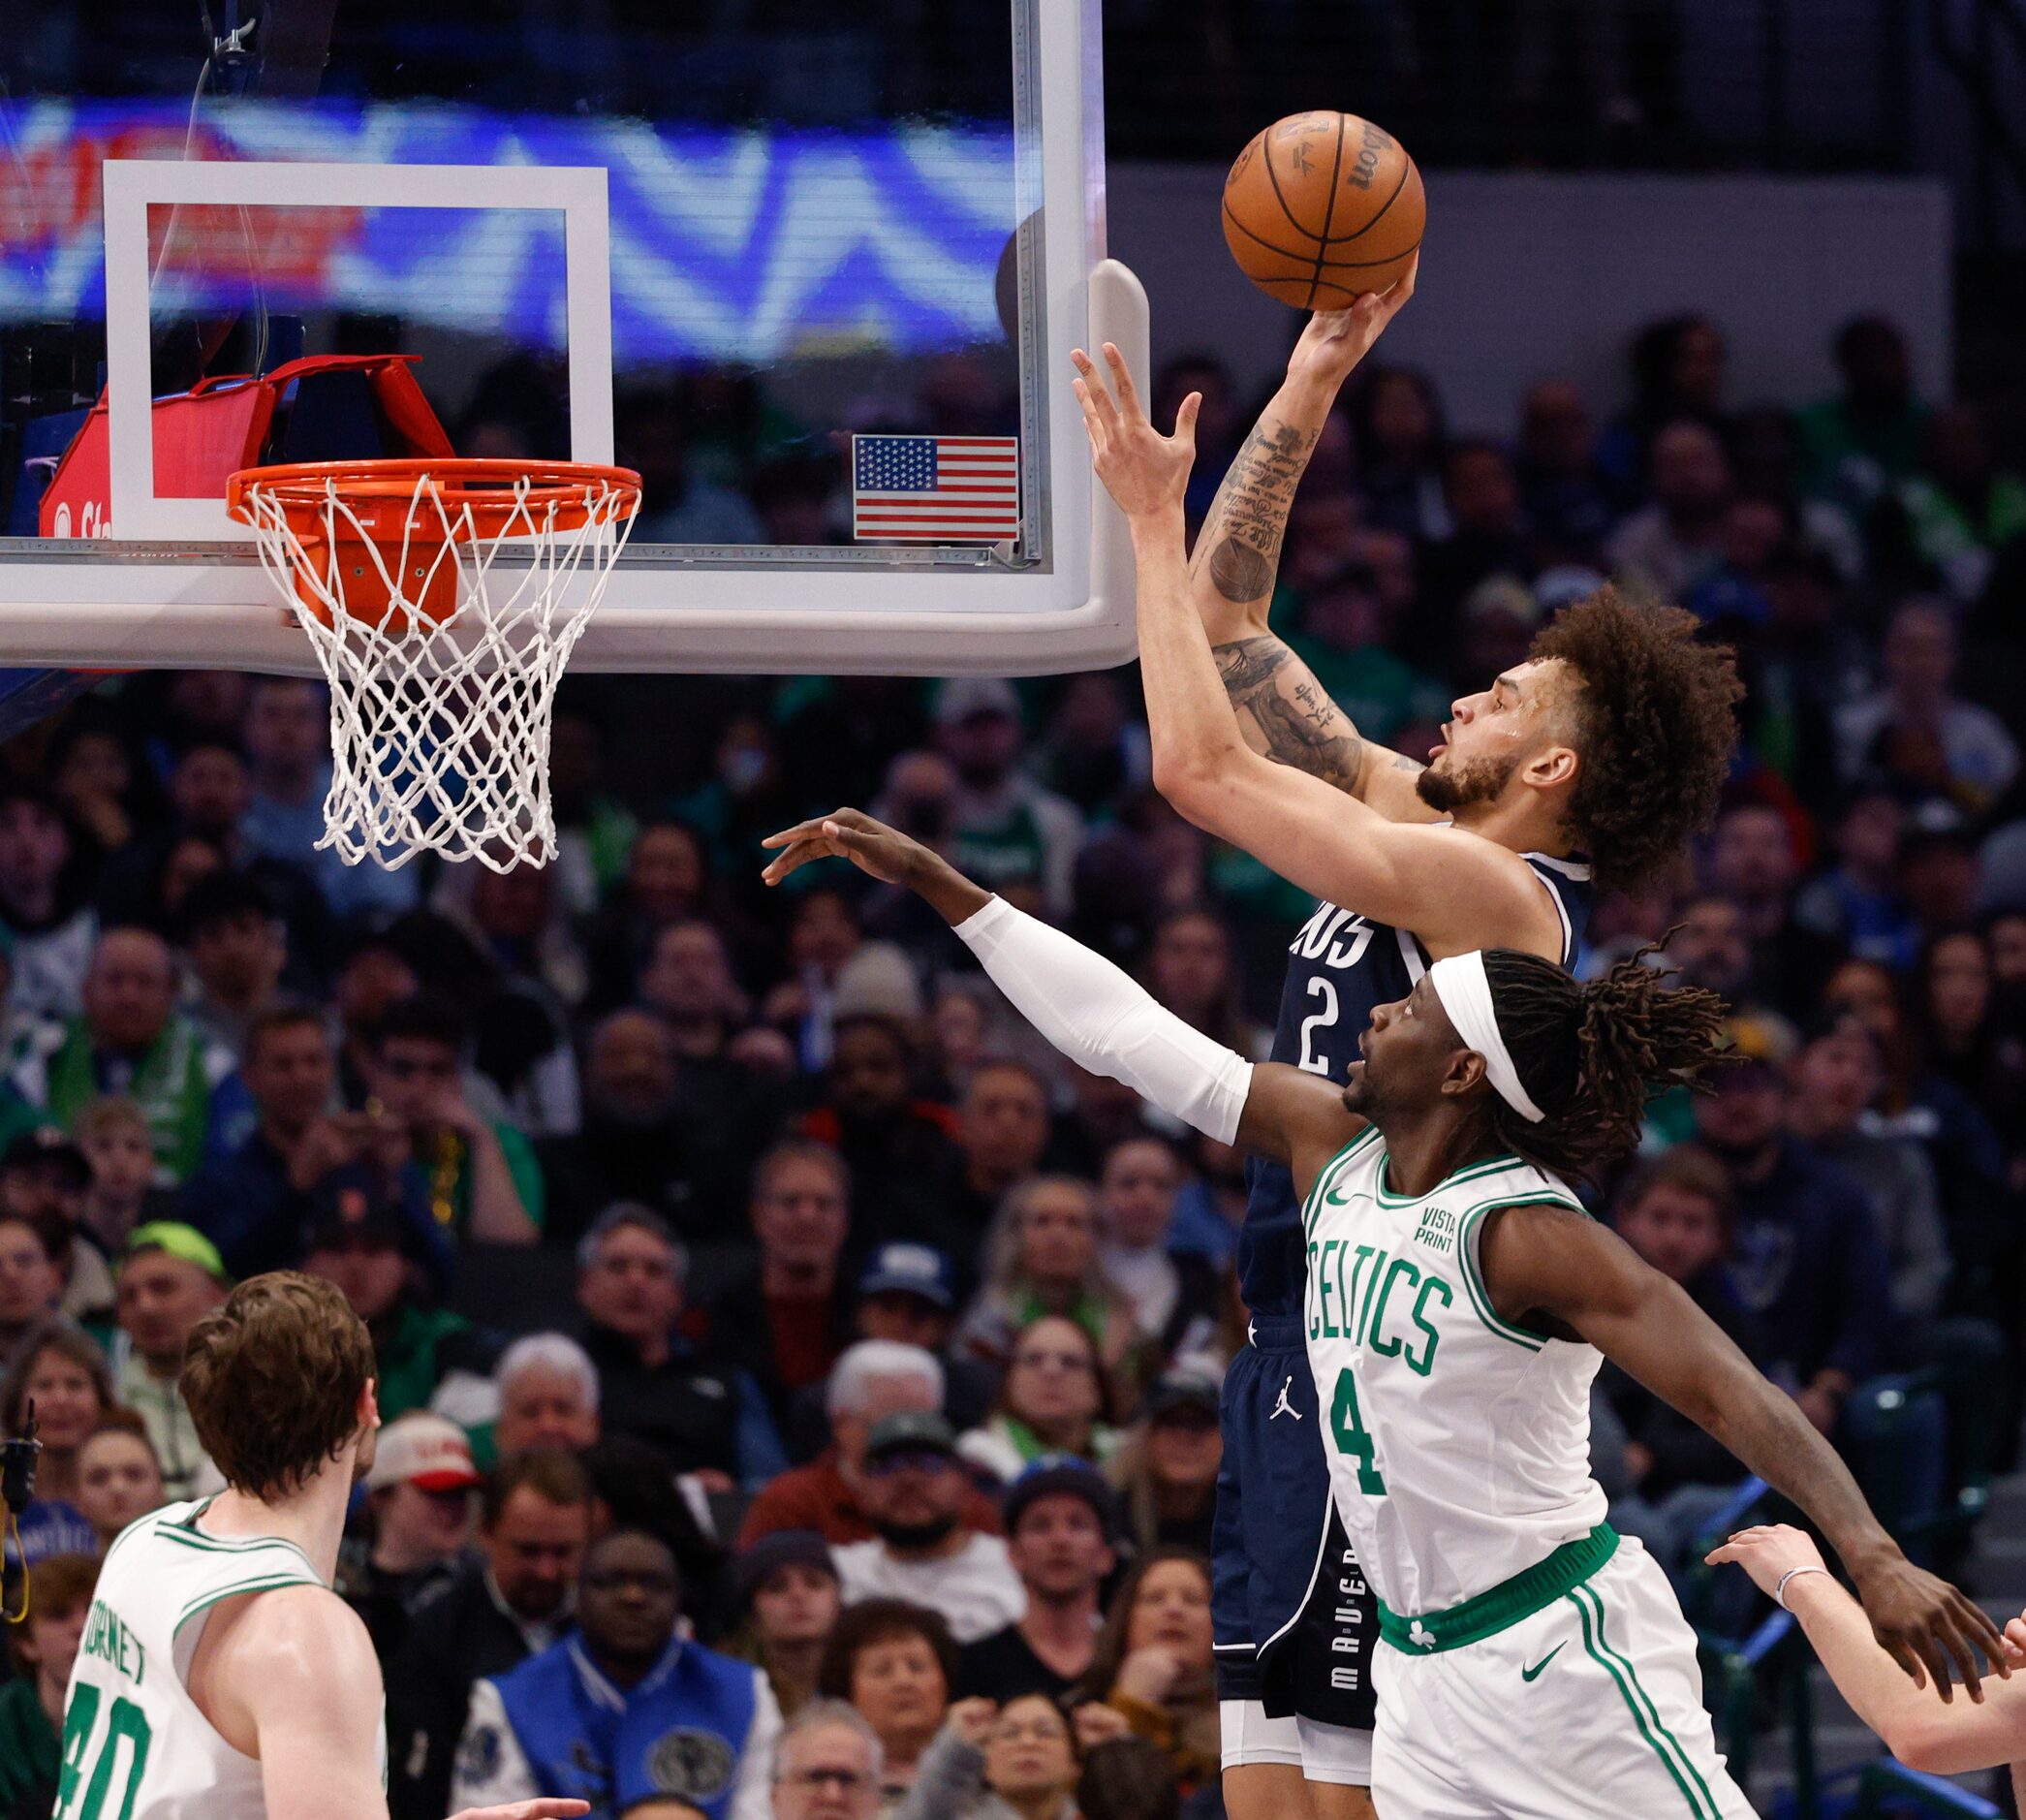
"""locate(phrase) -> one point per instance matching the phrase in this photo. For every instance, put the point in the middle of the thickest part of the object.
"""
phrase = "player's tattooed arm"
(1290, 717)
(1238, 550)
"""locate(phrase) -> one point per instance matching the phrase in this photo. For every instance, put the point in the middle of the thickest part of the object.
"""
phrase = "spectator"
(828, 1765)
(1127, 1779)
(478, 1176)
(1867, 437)
(666, 882)
(1153, 1662)
(1167, 1470)
(512, 1602)
(547, 1395)
(31, 1278)
(1566, 496)
(1488, 535)
(1054, 1400)
(371, 1254)
(1019, 1763)
(1676, 1213)
(588, 1717)
(707, 1418)
(1009, 834)
(237, 949)
(1043, 1259)
(789, 1596)
(57, 1369)
(132, 1040)
(113, 1135)
(873, 1380)
(634, 1143)
(1002, 1131)
(1807, 1262)
(255, 1201)
(1959, 508)
(118, 1477)
(419, 1517)
(1174, 1298)
(288, 751)
(1398, 429)
(1915, 731)
(1677, 373)
(1966, 1035)
(171, 1276)
(1096, 755)
(44, 1180)
(901, 1150)
(1192, 971)
(785, 1322)
(1666, 547)
(1753, 863)
(45, 867)
(1061, 1520)
(40, 1652)
(1857, 904)
(922, 1548)
(896, 1663)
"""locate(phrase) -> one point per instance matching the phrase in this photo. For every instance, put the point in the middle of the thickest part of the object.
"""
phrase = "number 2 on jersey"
(126, 1720)
(1325, 991)
(1350, 1432)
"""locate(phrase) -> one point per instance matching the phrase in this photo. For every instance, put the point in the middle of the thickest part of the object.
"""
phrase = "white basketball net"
(440, 728)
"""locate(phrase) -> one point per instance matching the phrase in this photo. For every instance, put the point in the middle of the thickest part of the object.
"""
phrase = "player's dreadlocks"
(1591, 1054)
(1656, 717)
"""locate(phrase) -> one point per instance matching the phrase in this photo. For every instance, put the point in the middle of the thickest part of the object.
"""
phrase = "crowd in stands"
(800, 1387)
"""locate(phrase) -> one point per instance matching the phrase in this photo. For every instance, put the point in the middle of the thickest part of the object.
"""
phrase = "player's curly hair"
(1656, 721)
(1592, 1052)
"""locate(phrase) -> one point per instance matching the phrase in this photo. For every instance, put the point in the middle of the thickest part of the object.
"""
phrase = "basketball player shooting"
(219, 1673)
(1604, 750)
(1458, 1304)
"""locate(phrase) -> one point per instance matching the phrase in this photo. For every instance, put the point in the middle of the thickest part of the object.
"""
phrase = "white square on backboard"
(133, 184)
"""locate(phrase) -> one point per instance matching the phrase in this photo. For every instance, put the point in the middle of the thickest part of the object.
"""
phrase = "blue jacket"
(697, 1725)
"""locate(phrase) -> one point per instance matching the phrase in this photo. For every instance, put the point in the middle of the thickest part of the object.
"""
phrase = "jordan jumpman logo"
(1282, 1407)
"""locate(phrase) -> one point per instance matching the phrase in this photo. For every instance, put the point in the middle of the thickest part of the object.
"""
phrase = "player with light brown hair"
(219, 1673)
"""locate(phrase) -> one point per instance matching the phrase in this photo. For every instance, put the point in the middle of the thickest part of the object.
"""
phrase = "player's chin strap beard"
(1460, 983)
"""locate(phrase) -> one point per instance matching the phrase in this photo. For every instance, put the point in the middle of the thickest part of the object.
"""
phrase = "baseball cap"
(907, 1270)
(921, 1431)
(784, 1548)
(1182, 1390)
(346, 1213)
(963, 698)
(1061, 1475)
(47, 1144)
(179, 1242)
(424, 1450)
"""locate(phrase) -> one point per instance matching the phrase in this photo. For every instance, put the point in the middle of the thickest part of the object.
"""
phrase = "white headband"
(1459, 982)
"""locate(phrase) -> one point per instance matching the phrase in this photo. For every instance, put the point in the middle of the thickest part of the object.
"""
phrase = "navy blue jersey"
(1339, 967)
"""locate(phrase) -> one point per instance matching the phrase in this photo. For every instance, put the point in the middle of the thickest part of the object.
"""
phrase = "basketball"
(1321, 208)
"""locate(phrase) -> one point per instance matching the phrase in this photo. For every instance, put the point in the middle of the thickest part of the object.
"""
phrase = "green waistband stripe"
(1505, 1604)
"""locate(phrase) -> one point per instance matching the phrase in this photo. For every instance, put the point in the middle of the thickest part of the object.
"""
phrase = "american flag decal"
(936, 489)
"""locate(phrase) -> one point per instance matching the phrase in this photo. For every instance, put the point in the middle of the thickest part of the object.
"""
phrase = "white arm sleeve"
(1104, 1021)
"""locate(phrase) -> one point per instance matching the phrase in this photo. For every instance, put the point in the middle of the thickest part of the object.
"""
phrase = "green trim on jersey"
(1511, 1602)
(1473, 1276)
(190, 1536)
(1470, 1173)
(1668, 1749)
(265, 1583)
(1331, 1171)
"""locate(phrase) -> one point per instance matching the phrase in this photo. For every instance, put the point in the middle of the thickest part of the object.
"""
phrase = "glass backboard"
(814, 271)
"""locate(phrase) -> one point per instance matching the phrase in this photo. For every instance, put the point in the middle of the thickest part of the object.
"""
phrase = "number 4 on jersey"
(1351, 1435)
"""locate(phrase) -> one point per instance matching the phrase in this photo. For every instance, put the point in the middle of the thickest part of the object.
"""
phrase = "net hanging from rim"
(441, 655)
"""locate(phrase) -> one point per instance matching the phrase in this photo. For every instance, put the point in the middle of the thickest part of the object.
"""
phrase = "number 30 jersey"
(135, 1745)
(1340, 966)
(1459, 1444)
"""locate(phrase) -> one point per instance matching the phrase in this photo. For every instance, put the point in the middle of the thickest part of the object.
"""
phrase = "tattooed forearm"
(1301, 726)
(1249, 517)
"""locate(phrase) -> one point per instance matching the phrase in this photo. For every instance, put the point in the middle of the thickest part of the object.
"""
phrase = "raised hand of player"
(1145, 472)
(1925, 1625)
(543, 1807)
(1767, 1551)
(1336, 340)
(889, 855)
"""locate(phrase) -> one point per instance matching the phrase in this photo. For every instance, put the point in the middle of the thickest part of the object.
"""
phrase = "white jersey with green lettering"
(1459, 1445)
(135, 1745)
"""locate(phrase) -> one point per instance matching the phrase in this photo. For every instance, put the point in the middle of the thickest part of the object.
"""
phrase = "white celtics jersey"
(1459, 1446)
(135, 1745)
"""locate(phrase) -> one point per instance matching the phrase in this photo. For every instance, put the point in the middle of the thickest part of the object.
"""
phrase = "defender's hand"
(1145, 472)
(1336, 340)
(885, 853)
(1923, 1622)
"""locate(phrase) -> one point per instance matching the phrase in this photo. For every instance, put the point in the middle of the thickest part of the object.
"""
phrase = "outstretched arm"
(1919, 1730)
(1095, 1013)
(1556, 1262)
